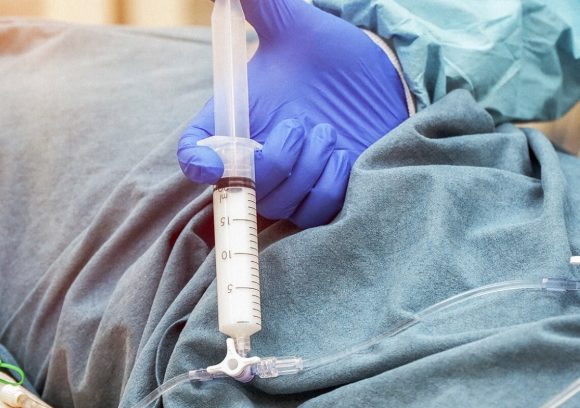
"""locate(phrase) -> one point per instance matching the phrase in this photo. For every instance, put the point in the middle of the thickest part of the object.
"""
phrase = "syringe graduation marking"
(247, 287)
(245, 253)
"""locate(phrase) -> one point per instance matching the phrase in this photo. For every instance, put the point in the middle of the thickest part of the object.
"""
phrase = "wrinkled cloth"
(108, 276)
(519, 59)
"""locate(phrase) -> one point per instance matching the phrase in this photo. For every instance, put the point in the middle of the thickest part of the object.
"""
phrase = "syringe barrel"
(236, 238)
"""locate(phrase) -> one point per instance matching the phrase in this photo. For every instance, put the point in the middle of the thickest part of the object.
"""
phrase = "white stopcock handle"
(234, 365)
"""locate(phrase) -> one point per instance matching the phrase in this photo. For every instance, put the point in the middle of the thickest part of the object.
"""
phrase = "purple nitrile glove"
(321, 92)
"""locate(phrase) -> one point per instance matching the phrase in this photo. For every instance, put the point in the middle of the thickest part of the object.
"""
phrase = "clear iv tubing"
(194, 375)
(566, 395)
(547, 284)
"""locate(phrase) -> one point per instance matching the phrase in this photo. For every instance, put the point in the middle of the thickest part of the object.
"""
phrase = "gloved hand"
(321, 92)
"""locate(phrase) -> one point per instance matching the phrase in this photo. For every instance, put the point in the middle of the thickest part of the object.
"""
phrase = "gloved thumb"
(200, 164)
(270, 17)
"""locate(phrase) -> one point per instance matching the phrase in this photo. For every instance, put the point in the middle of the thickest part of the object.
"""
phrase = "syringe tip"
(243, 345)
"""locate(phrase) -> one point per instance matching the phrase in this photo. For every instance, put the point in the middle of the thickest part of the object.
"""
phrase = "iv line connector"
(244, 368)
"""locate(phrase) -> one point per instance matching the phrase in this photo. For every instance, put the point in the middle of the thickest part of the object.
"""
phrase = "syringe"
(234, 197)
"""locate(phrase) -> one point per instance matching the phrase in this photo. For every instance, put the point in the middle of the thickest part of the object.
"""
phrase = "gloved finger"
(271, 17)
(200, 164)
(275, 161)
(281, 202)
(327, 197)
